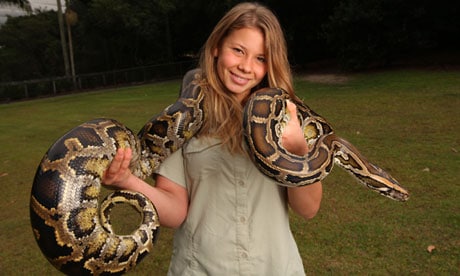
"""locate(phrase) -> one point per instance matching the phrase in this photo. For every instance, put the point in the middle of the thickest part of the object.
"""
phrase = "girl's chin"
(237, 90)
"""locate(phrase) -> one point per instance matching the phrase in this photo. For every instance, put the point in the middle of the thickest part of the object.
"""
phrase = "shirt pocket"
(201, 156)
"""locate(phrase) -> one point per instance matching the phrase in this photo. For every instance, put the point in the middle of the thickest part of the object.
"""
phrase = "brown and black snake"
(266, 115)
(73, 229)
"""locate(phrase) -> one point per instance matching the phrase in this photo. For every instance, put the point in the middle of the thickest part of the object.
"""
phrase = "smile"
(237, 79)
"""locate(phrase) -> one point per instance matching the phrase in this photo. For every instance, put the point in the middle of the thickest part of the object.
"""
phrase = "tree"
(115, 34)
(118, 34)
(23, 4)
(378, 32)
(32, 41)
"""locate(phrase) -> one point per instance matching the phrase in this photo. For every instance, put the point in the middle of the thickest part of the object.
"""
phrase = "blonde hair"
(223, 112)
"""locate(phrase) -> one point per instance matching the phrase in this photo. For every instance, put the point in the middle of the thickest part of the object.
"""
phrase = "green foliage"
(378, 32)
(404, 121)
(118, 34)
(30, 47)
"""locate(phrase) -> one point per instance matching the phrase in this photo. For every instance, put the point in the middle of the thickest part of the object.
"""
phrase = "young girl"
(231, 219)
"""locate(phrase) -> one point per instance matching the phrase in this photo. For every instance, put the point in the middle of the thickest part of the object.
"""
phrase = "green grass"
(406, 121)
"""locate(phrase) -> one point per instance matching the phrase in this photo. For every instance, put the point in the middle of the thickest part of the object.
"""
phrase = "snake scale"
(265, 116)
(73, 230)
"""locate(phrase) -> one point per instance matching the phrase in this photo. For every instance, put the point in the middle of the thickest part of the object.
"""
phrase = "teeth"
(238, 78)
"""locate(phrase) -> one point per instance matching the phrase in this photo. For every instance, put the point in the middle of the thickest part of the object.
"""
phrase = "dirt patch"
(327, 78)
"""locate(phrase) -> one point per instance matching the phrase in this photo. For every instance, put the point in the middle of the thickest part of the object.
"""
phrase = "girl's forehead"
(243, 32)
(250, 37)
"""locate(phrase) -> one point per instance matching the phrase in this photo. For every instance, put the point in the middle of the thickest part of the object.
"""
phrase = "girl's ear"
(215, 52)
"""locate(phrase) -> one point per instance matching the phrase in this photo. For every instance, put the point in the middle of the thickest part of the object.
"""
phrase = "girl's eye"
(261, 59)
(238, 50)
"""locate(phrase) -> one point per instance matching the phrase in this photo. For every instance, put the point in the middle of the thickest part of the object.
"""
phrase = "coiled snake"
(64, 200)
(266, 115)
(65, 192)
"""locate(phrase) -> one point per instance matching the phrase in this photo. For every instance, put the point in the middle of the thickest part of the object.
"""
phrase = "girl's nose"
(245, 65)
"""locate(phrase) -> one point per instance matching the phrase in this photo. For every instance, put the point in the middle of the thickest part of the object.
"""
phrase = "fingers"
(121, 160)
(292, 108)
(119, 167)
(293, 138)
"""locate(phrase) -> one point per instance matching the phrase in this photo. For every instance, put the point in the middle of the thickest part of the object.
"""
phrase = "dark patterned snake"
(73, 230)
(266, 115)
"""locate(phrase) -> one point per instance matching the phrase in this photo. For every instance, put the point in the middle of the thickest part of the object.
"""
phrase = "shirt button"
(242, 219)
(193, 263)
(244, 255)
(241, 183)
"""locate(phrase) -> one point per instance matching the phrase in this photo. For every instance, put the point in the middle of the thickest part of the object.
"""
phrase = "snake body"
(71, 228)
(266, 115)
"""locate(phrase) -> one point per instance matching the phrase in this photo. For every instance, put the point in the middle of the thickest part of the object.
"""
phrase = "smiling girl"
(230, 218)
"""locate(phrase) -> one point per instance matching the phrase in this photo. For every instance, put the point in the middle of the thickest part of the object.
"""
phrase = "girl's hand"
(118, 172)
(293, 139)
(169, 198)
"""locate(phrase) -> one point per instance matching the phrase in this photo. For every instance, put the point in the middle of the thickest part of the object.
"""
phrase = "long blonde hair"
(223, 112)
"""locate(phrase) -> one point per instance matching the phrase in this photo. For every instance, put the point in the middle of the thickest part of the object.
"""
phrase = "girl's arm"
(304, 200)
(169, 198)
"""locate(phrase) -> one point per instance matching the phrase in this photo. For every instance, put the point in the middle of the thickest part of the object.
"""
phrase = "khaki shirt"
(237, 222)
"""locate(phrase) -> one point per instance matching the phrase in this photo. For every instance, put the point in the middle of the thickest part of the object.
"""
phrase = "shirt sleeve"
(173, 168)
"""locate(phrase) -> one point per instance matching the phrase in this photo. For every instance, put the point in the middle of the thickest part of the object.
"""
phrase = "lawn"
(406, 121)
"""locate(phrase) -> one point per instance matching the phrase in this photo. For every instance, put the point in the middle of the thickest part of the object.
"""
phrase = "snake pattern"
(71, 228)
(266, 115)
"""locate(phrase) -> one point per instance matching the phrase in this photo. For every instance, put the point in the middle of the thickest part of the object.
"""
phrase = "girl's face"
(241, 61)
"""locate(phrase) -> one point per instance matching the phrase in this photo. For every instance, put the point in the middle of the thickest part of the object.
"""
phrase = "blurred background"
(90, 43)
